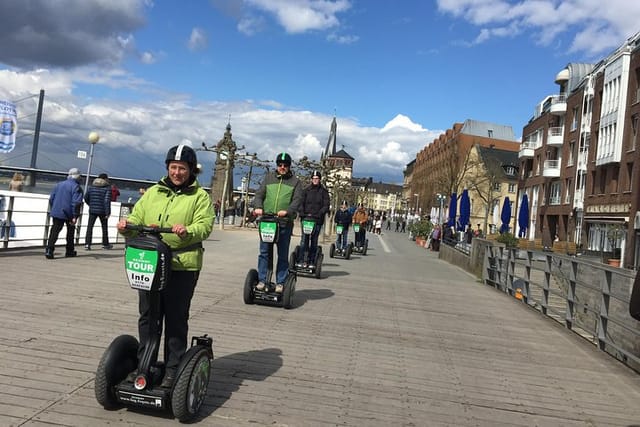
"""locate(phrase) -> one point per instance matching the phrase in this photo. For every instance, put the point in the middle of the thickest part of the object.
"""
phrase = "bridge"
(396, 337)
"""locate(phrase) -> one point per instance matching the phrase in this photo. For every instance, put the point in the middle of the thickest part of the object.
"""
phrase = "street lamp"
(93, 138)
(440, 198)
(417, 200)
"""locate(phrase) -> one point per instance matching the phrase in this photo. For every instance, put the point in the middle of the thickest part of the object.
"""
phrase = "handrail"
(587, 298)
(25, 221)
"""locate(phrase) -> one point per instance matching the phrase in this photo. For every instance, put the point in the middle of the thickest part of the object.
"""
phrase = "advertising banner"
(8, 126)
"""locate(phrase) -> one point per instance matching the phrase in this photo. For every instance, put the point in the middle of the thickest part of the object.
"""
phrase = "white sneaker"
(260, 286)
(279, 288)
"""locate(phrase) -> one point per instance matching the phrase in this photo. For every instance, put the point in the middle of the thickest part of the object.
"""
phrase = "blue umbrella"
(523, 216)
(452, 210)
(505, 216)
(465, 210)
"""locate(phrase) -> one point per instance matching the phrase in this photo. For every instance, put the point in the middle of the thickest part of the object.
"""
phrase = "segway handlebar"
(148, 229)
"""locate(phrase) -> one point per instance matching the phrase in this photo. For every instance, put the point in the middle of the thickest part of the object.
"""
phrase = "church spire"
(330, 150)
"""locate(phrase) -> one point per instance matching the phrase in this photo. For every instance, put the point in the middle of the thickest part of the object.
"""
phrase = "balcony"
(555, 136)
(551, 169)
(558, 105)
(526, 149)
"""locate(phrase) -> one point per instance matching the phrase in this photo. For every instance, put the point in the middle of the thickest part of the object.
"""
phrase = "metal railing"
(25, 221)
(588, 298)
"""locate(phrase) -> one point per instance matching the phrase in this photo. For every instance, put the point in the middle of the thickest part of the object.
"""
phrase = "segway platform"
(268, 230)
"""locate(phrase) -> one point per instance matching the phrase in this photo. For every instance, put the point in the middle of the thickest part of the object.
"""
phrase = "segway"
(362, 248)
(148, 268)
(268, 227)
(302, 267)
(337, 253)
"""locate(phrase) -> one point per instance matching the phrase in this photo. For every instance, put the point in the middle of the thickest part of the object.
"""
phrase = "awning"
(607, 219)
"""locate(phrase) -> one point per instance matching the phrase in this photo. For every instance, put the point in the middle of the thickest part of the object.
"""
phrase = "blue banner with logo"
(8, 126)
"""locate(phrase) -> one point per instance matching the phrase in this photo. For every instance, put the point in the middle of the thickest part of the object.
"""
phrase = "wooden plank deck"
(397, 337)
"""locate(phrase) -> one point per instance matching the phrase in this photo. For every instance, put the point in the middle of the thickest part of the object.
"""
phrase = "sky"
(147, 75)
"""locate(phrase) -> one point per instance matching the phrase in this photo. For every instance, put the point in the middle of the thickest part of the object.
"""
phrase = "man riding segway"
(313, 208)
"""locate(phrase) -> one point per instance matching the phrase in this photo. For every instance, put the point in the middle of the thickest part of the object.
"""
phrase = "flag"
(8, 126)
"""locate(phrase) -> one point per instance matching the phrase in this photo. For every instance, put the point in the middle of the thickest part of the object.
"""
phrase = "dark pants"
(175, 304)
(103, 223)
(341, 239)
(360, 236)
(282, 265)
(309, 245)
(56, 228)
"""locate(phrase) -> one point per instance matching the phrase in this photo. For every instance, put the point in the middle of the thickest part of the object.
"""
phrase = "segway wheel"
(318, 272)
(190, 388)
(288, 291)
(348, 252)
(249, 284)
(364, 248)
(332, 250)
(292, 260)
(120, 358)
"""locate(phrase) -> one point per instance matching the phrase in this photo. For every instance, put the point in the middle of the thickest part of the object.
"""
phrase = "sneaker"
(87, 247)
(107, 247)
(71, 254)
(48, 254)
(169, 378)
(279, 288)
(260, 286)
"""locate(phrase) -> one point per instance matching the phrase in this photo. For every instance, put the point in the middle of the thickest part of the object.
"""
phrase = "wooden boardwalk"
(394, 338)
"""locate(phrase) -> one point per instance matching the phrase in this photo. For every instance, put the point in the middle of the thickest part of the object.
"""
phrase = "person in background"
(315, 205)
(64, 208)
(98, 197)
(280, 194)
(343, 218)
(360, 217)
(17, 182)
(114, 193)
(178, 202)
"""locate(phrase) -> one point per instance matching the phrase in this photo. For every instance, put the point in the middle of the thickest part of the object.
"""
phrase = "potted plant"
(509, 240)
(614, 234)
(421, 230)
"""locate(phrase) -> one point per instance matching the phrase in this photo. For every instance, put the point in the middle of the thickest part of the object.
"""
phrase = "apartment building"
(578, 158)
(441, 166)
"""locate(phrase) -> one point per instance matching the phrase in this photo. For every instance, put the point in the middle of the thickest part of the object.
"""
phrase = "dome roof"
(562, 76)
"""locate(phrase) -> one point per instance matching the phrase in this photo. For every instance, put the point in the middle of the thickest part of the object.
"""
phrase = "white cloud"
(135, 135)
(594, 25)
(297, 16)
(197, 40)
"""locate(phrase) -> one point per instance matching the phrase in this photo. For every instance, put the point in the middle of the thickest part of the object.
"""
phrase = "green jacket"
(279, 192)
(162, 206)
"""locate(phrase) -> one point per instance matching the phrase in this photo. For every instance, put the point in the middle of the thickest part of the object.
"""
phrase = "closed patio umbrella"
(505, 216)
(523, 216)
(465, 210)
(453, 208)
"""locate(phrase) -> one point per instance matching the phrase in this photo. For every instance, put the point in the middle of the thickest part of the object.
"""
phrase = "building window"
(572, 146)
(603, 181)
(554, 193)
(512, 188)
(490, 133)
(567, 191)
(497, 186)
(634, 132)
(630, 176)
(574, 119)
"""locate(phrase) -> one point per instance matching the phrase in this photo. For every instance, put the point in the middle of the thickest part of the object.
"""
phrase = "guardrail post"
(603, 318)
(570, 311)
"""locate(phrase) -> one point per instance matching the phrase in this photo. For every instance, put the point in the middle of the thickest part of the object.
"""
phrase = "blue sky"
(148, 75)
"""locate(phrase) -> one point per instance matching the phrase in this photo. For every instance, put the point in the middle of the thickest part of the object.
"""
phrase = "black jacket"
(343, 217)
(315, 203)
(98, 197)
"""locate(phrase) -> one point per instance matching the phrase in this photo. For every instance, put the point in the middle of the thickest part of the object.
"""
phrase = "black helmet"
(316, 173)
(183, 153)
(283, 158)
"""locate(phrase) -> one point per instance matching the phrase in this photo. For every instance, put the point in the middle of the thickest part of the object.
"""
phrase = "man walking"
(64, 208)
(98, 197)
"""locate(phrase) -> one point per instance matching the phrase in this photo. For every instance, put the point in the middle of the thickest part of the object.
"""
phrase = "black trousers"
(175, 304)
(103, 223)
(56, 228)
